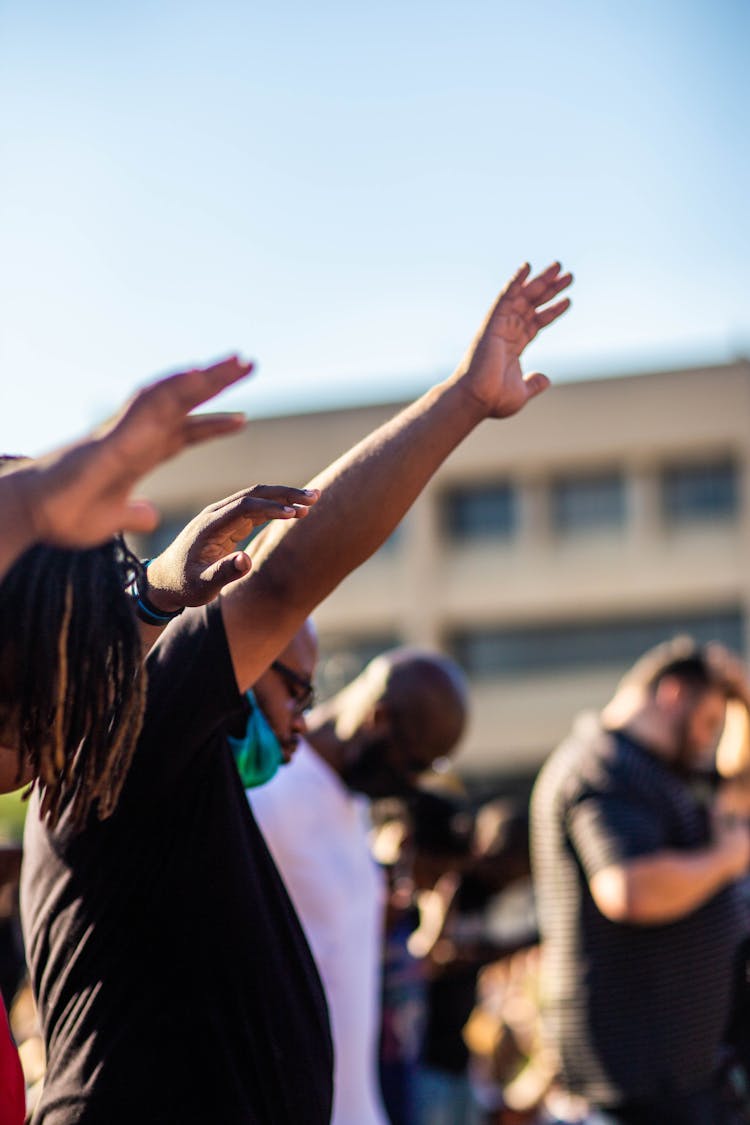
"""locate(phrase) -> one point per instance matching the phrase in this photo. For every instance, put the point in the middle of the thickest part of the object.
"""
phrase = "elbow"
(615, 894)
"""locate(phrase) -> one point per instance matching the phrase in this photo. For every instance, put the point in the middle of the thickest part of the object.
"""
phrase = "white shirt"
(316, 830)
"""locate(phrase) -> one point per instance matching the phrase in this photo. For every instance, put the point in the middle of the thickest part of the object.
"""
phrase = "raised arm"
(366, 492)
(80, 496)
(661, 888)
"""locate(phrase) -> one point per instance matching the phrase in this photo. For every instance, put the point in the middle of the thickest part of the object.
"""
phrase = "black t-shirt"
(451, 995)
(638, 1010)
(174, 982)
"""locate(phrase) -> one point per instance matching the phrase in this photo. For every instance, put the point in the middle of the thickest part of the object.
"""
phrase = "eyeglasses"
(301, 690)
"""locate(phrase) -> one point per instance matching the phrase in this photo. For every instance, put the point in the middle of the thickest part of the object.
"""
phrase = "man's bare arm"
(365, 493)
(80, 496)
(656, 889)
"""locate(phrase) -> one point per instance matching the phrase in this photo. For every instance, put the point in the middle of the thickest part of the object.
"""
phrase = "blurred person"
(72, 688)
(513, 1069)
(460, 948)
(372, 740)
(79, 496)
(733, 802)
(87, 604)
(60, 605)
(636, 890)
(225, 990)
(71, 653)
(436, 841)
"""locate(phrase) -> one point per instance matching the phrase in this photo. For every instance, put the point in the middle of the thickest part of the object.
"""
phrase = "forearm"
(662, 888)
(364, 494)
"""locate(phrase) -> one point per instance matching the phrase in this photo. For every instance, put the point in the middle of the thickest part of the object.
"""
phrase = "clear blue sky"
(340, 189)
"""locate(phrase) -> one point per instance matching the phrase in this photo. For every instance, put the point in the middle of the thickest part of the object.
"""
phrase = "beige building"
(547, 553)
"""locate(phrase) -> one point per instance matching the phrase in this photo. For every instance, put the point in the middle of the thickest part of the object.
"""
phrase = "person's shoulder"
(590, 764)
(200, 625)
(191, 694)
(193, 655)
(574, 760)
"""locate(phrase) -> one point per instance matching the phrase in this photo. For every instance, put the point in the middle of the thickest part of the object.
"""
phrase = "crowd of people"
(208, 936)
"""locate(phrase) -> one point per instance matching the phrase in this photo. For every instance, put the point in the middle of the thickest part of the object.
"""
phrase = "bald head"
(406, 709)
(426, 696)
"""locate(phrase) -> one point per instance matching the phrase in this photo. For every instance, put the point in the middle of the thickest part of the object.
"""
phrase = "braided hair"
(72, 686)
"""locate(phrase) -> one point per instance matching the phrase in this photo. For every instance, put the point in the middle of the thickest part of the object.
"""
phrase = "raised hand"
(203, 558)
(730, 671)
(491, 368)
(80, 496)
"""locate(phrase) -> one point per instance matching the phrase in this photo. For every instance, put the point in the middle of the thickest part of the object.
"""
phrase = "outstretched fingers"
(139, 517)
(546, 285)
(203, 427)
(302, 498)
(189, 389)
(167, 403)
(546, 316)
(257, 505)
(512, 289)
(283, 493)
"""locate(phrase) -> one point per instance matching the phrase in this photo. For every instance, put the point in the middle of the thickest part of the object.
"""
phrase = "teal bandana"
(258, 753)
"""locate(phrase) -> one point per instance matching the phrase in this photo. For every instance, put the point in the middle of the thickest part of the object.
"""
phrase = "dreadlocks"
(71, 681)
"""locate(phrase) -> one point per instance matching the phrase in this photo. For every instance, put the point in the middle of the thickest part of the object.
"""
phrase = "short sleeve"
(192, 693)
(608, 829)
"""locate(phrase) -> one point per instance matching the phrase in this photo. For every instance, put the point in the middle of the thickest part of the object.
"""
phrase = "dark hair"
(72, 686)
(685, 660)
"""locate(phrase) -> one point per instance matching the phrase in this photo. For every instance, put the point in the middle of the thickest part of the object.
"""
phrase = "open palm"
(492, 364)
(80, 496)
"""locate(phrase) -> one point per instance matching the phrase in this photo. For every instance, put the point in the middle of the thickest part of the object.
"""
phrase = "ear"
(670, 693)
(377, 721)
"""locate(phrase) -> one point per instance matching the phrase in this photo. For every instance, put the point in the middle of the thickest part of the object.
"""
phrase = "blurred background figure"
(636, 881)
(434, 844)
(374, 739)
(733, 802)
(460, 900)
(469, 921)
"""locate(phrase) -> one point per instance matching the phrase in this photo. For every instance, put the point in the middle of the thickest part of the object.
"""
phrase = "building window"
(544, 650)
(486, 511)
(698, 492)
(588, 503)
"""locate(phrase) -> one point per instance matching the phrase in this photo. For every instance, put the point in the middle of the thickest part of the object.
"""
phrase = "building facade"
(546, 554)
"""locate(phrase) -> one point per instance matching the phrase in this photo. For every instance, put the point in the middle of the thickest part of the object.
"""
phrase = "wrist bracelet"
(146, 610)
